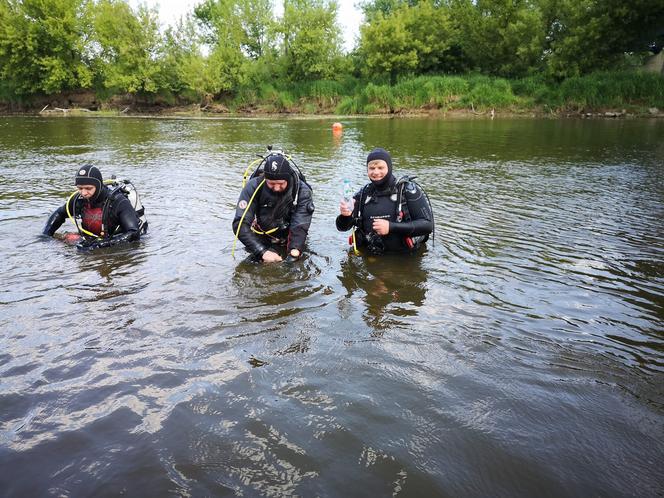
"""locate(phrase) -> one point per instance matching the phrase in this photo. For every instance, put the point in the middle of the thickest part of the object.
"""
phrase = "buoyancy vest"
(391, 206)
(92, 219)
(97, 220)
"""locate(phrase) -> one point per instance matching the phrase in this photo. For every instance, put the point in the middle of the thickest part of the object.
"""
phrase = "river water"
(521, 354)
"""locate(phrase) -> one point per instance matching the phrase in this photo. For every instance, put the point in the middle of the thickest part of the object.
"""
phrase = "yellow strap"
(239, 226)
(260, 232)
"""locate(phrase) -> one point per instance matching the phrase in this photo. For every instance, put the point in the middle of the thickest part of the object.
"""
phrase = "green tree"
(386, 47)
(244, 24)
(416, 39)
(43, 46)
(589, 35)
(184, 68)
(258, 26)
(501, 37)
(127, 47)
(371, 8)
(237, 31)
(311, 39)
(434, 35)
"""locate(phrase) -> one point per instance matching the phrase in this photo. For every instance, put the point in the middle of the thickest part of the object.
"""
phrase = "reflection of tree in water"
(392, 287)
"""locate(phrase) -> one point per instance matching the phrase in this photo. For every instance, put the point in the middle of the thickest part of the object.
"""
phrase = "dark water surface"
(521, 355)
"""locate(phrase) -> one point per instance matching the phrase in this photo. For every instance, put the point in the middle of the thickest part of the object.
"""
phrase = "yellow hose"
(71, 217)
(239, 226)
(246, 171)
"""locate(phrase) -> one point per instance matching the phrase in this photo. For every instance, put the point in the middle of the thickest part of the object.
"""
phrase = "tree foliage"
(385, 8)
(589, 35)
(184, 69)
(244, 24)
(311, 39)
(387, 47)
(411, 39)
(235, 47)
(128, 45)
(42, 46)
(501, 37)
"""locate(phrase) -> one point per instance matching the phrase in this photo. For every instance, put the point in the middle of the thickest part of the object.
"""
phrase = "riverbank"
(196, 111)
(607, 95)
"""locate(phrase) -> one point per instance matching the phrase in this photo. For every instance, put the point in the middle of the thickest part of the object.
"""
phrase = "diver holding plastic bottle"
(387, 215)
(274, 210)
(102, 211)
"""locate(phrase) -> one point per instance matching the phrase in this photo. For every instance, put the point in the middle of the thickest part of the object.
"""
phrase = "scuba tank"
(403, 214)
(129, 191)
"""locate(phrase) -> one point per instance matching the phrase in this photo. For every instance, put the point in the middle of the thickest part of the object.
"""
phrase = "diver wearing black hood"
(276, 213)
(106, 214)
(390, 215)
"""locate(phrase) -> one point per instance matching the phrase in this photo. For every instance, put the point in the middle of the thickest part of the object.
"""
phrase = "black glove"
(89, 244)
(100, 243)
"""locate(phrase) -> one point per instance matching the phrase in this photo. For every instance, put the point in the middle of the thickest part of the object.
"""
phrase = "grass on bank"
(630, 90)
(606, 90)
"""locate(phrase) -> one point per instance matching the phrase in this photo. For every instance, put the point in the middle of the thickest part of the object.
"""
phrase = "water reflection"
(392, 287)
(267, 292)
(116, 261)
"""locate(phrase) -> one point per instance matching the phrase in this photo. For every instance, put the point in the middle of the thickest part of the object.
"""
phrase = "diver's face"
(376, 170)
(277, 185)
(86, 191)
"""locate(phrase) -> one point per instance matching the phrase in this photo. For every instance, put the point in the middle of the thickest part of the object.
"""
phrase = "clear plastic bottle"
(348, 194)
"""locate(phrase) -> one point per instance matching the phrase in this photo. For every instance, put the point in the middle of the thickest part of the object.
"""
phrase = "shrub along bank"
(625, 91)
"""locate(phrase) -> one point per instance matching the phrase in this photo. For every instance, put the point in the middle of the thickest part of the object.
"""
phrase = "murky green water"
(521, 355)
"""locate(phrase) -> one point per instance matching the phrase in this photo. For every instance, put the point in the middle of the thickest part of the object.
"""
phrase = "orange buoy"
(337, 127)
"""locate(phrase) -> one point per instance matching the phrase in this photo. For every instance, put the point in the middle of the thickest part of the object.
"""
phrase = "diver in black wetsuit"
(279, 213)
(107, 217)
(391, 216)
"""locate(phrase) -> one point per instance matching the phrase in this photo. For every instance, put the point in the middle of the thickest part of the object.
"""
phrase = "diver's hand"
(381, 227)
(346, 209)
(72, 238)
(271, 257)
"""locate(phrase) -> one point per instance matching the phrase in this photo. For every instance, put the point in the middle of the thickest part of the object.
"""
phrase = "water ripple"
(503, 360)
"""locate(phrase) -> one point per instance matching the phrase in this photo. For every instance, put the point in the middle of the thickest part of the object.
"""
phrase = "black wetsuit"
(271, 210)
(405, 235)
(119, 222)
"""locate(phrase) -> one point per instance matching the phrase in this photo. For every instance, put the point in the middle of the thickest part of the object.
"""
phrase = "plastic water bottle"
(348, 194)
